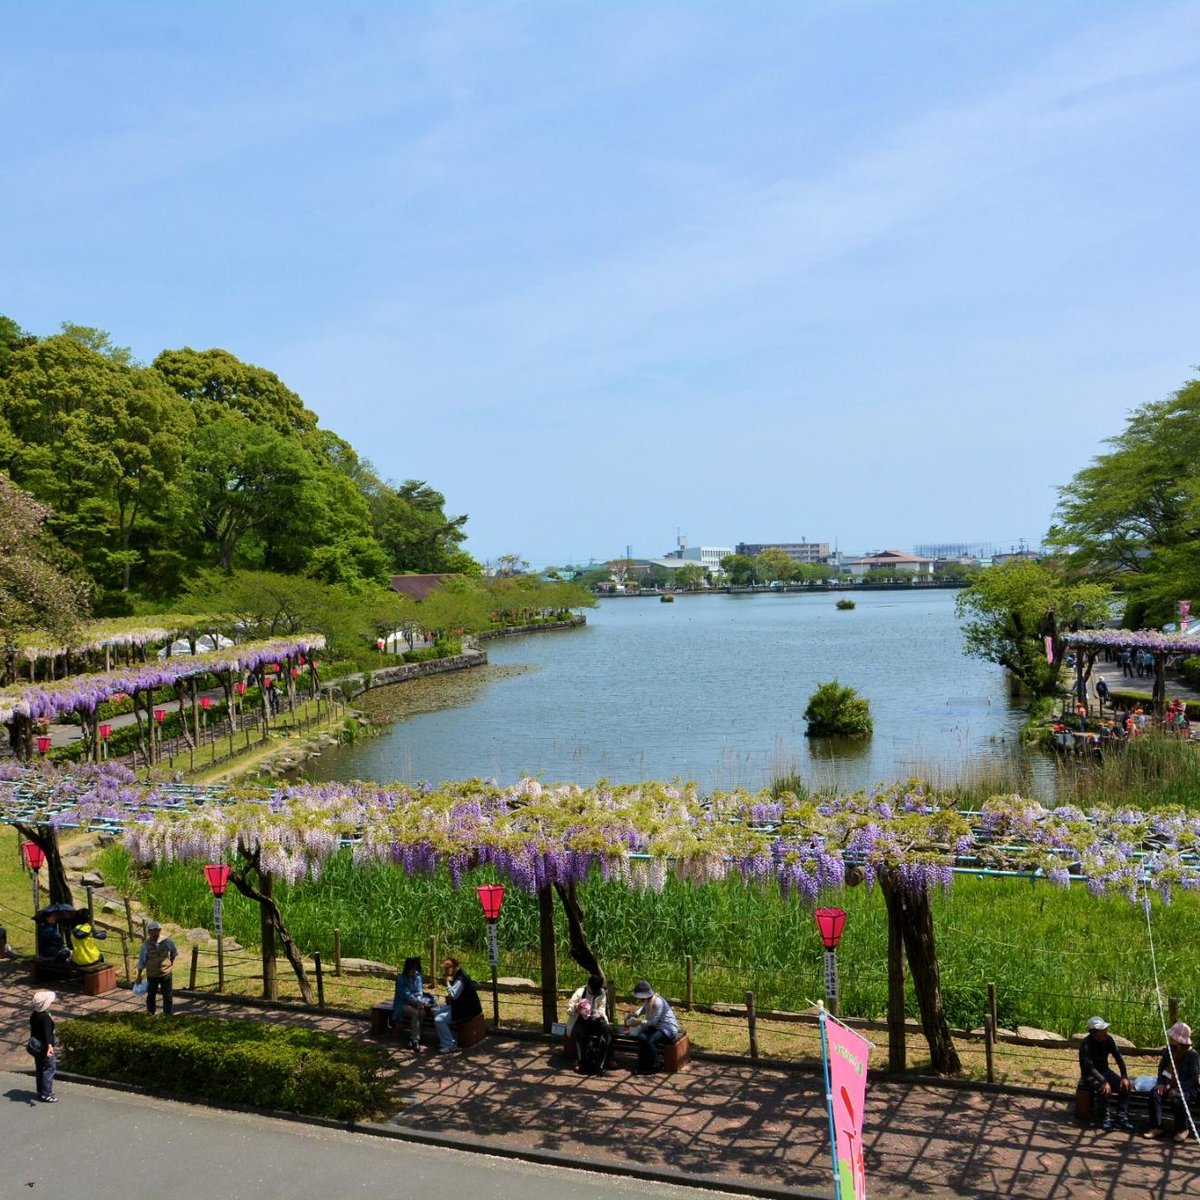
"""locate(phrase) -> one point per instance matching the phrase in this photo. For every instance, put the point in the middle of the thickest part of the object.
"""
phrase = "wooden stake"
(752, 1023)
(195, 963)
(688, 997)
(337, 952)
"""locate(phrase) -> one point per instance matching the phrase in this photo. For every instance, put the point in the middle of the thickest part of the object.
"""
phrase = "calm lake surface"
(711, 688)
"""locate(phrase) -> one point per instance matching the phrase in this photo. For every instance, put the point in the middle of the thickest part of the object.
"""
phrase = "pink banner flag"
(1185, 608)
(846, 1055)
(1049, 649)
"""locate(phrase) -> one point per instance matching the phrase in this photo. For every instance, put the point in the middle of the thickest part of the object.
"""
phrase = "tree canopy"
(1133, 514)
(153, 474)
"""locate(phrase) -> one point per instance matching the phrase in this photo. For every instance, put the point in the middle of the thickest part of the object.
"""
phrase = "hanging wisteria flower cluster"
(121, 632)
(534, 834)
(83, 693)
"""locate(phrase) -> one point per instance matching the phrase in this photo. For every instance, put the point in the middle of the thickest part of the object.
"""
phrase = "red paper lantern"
(105, 732)
(295, 672)
(275, 668)
(160, 715)
(267, 681)
(379, 643)
(300, 659)
(43, 745)
(830, 922)
(218, 878)
(206, 702)
(491, 896)
(240, 688)
(34, 855)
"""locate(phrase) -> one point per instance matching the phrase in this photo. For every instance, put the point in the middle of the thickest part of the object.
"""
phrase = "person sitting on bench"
(652, 1024)
(50, 943)
(85, 952)
(1178, 1084)
(462, 1003)
(1094, 1053)
(588, 1027)
(411, 1001)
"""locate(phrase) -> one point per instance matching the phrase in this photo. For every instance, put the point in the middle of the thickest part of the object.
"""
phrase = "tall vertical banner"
(846, 1055)
(1185, 611)
(1049, 649)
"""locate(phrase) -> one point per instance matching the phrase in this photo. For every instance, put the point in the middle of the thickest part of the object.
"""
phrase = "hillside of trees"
(147, 478)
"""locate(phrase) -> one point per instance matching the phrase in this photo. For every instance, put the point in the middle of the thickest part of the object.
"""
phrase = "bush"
(846, 604)
(837, 711)
(232, 1062)
(1190, 670)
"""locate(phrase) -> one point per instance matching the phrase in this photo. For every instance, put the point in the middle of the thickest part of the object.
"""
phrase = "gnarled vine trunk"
(272, 927)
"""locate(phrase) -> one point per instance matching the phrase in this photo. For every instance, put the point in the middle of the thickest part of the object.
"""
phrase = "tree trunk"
(581, 952)
(915, 915)
(45, 837)
(271, 926)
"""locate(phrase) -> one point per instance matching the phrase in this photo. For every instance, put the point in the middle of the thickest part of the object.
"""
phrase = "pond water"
(711, 688)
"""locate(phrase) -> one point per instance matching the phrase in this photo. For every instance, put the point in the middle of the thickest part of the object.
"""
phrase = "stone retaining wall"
(386, 676)
(542, 627)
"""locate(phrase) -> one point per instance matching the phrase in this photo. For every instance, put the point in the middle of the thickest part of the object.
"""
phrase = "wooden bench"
(468, 1033)
(97, 979)
(676, 1054)
(1087, 1103)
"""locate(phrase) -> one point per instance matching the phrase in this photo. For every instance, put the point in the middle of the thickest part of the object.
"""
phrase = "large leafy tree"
(1013, 607)
(98, 439)
(741, 569)
(773, 563)
(1134, 512)
(411, 524)
(217, 384)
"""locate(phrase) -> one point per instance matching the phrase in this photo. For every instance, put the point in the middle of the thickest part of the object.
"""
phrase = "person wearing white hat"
(41, 1026)
(1178, 1083)
(1094, 1052)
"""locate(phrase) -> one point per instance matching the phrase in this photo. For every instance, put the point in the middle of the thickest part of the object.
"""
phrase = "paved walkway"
(726, 1123)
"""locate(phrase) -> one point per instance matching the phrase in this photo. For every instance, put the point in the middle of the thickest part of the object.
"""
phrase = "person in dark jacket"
(1178, 1084)
(41, 1026)
(50, 942)
(1094, 1052)
(462, 1003)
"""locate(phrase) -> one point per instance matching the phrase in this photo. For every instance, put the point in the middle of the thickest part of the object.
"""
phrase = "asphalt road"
(104, 1145)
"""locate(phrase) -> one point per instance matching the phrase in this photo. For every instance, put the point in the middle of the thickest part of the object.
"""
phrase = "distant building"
(709, 557)
(417, 587)
(802, 552)
(898, 560)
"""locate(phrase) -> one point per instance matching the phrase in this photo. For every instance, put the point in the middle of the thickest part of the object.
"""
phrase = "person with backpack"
(85, 952)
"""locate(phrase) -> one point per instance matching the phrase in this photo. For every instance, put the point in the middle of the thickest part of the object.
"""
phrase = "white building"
(709, 557)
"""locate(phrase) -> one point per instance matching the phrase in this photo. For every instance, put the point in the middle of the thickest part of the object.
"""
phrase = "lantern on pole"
(43, 745)
(34, 857)
(105, 734)
(491, 897)
(830, 923)
(218, 880)
(160, 715)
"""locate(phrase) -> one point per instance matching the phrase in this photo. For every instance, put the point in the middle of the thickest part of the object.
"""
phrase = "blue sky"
(866, 273)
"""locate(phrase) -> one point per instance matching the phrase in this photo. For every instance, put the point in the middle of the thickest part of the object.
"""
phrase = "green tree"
(775, 564)
(217, 384)
(1011, 609)
(100, 441)
(690, 576)
(1134, 513)
(740, 568)
(835, 710)
(411, 524)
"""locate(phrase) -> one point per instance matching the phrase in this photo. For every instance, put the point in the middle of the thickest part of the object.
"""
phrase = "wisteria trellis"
(83, 693)
(536, 834)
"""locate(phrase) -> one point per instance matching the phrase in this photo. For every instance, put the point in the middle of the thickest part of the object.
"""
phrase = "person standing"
(156, 960)
(1102, 692)
(654, 1023)
(1094, 1052)
(41, 1026)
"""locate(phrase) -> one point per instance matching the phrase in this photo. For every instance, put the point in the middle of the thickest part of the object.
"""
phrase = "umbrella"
(53, 908)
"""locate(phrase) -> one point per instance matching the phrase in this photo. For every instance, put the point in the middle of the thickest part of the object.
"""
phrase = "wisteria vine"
(534, 834)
